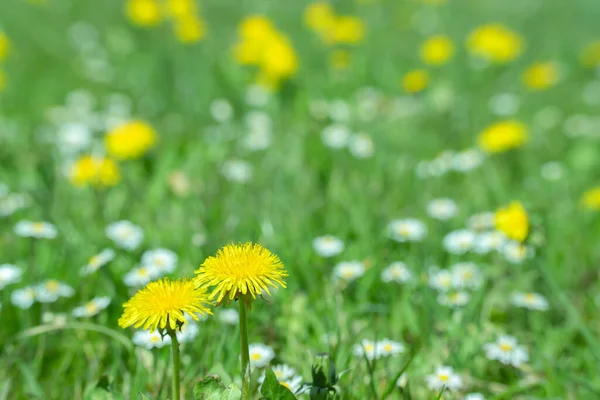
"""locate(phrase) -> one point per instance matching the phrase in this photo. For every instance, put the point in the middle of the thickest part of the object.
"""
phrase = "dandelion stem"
(176, 365)
(244, 351)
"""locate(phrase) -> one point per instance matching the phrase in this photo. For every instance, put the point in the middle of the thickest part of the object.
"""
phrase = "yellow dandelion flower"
(502, 136)
(95, 171)
(437, 50)
(348, 29)
(144, 12)
(279, 60)
(240, 269)
(496, 43)
(130, 140)
(415, 81)
(591, 198)
(181, 8)
(256, 28)
(513, 221)
(319, 16)
(189, 29)
(540, 76)
(163, 304)
(590, 56)
(4, 46)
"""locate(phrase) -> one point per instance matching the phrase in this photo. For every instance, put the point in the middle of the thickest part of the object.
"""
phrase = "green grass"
(300, 190)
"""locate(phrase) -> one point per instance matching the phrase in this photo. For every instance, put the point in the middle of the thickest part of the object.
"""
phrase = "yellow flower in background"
(513, 221)
(256, 28)
(591, 198)
(495, 42)
(94, 171)
(130, 140)
(163, 304)
(144, 12)
(503, 136)
(415, 81)
(4, 46)
(279, 60)
(348, 30)
(437, 50)
(319, 16)
(590, 56)
(339, 59)
(240, 269)
(540, 76)
(189, 29)
(179, 9)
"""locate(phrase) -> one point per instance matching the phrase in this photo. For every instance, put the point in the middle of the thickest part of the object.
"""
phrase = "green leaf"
(273, 390)
(211, 388)
(441, 393)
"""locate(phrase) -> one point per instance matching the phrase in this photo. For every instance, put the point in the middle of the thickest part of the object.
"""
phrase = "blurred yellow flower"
(495, 42)
(348, 30)
(144, 12)
(591, 198)
(415, 81)
(4, 46)
(503, 136)
(437, 50)
(339, 59)
(590, 56)
(256, 28)
(540, 76)
(181, 8)
(319, 16)
(130, 140)
(90, 170)
(189, 29)
(279, 60)
(512, 220)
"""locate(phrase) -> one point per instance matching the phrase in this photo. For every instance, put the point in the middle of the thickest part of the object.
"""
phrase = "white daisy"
(150, 340)
(467, 160)
(441, 280)
(531, 301)
(237, 171)
(73, 138)
(38, 230)
(339, 111)
(125, 234)
(444, 377)
(141, 276)
(23, 298)
(474, 396)
(294, 384)
(9, 274)
(164, 260)
(282, 373)
(515, 252)
(507, 351)
(552, 171)
(387, 347)
(221, 110)
(229, 316)
(396, 272)
(51, 290)
(367, 348)
(361, 145)
(402, 380)
(98, 261)
(407, 230)
(92, 308)
(335, 136)
(349, 271)
(454, 299)
(260, 355)
(442, 209)
(12, 203)
(328, 246)
(486, 242)
(188, 332)
(482, 221)
(459, 241)
(466, 275)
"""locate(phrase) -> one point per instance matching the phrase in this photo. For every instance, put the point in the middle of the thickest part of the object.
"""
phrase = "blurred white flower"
(125, 234)
(504, 104)
(51, 290)
(531, 301)
(141, 276)
(474, 396)
(221, 110)
(188, 332)
(396, 272)
(349, 271)
(229, 316)
(9, 274)
(92, 308)
(260, 355)
(73, 138)
(367, 348)
(282, 372)
(459, 241)
(328, 246)
(402, 380)
(257, 96)
(552, 171)
(361, 145)
(339, 111)
(454, 299)
(38, 230)
(547, 118)
(11, 203)
(319, 109)
(467, 160)
(407, 230)
(444, 377)
(237, 171)
(23, 298)
(482, 221)
(507, 351)
(335, 136)
(466, 275)
(515, 252)
(442, 209)
(199, 239)
(486, 242)
(163, 260)
(441, 280)
(98, 261)
(150, 340)
(387, 347)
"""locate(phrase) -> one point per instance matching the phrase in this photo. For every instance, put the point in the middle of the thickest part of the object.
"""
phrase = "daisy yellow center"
(368, 347)
(387, 347)
(396, 273)
(347, 273)
(163, 304)
(454, 297)
(159, 261)
(444, 377)
(278, 374)
(529, 297)
(404, 230)
(91, 308)
(506, 347)
(240, 269)
(94, 260)
(255, 356)
(155, 339)
(52, 286)
(467, 274)
(37, 227)
(285, 385)
(143, 272)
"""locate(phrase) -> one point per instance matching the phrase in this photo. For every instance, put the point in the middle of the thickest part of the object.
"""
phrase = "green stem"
(244, 351)
(176, 365)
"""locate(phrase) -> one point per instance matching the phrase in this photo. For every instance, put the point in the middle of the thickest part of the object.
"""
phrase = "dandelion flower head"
(512, 220)
(130, 140)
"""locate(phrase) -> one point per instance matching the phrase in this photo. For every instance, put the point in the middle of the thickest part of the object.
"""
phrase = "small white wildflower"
(349, 271)
(552, 171)
(164, 260)
(260, 355)
(515, 252)
(92, 308)
(396, 272)
(531, 301)
(441, 280)
(282, 372)
(328, 246)
(9, 274)
(444, 377)
(229, 316)
(459, 241)
(454, 299)
(387, 347)
(11, 203)
(366, 348)
(237, 171)
(339, 111)
(402, 380)
(482, 221)
(51, 290)
(141, 276)
(73, 138)
(486, 242)
(335, 136)
(150, 340)
(507, 351)
(407, 230)
(125, 234)
(467, 160)
(257, 96)
(442, 209)
(504, 104)
(361, 145)
(38, 230)
(221, 110)
(474, 396)
(23, 298)
(98, 261)
(466, 275)
(188, 332)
